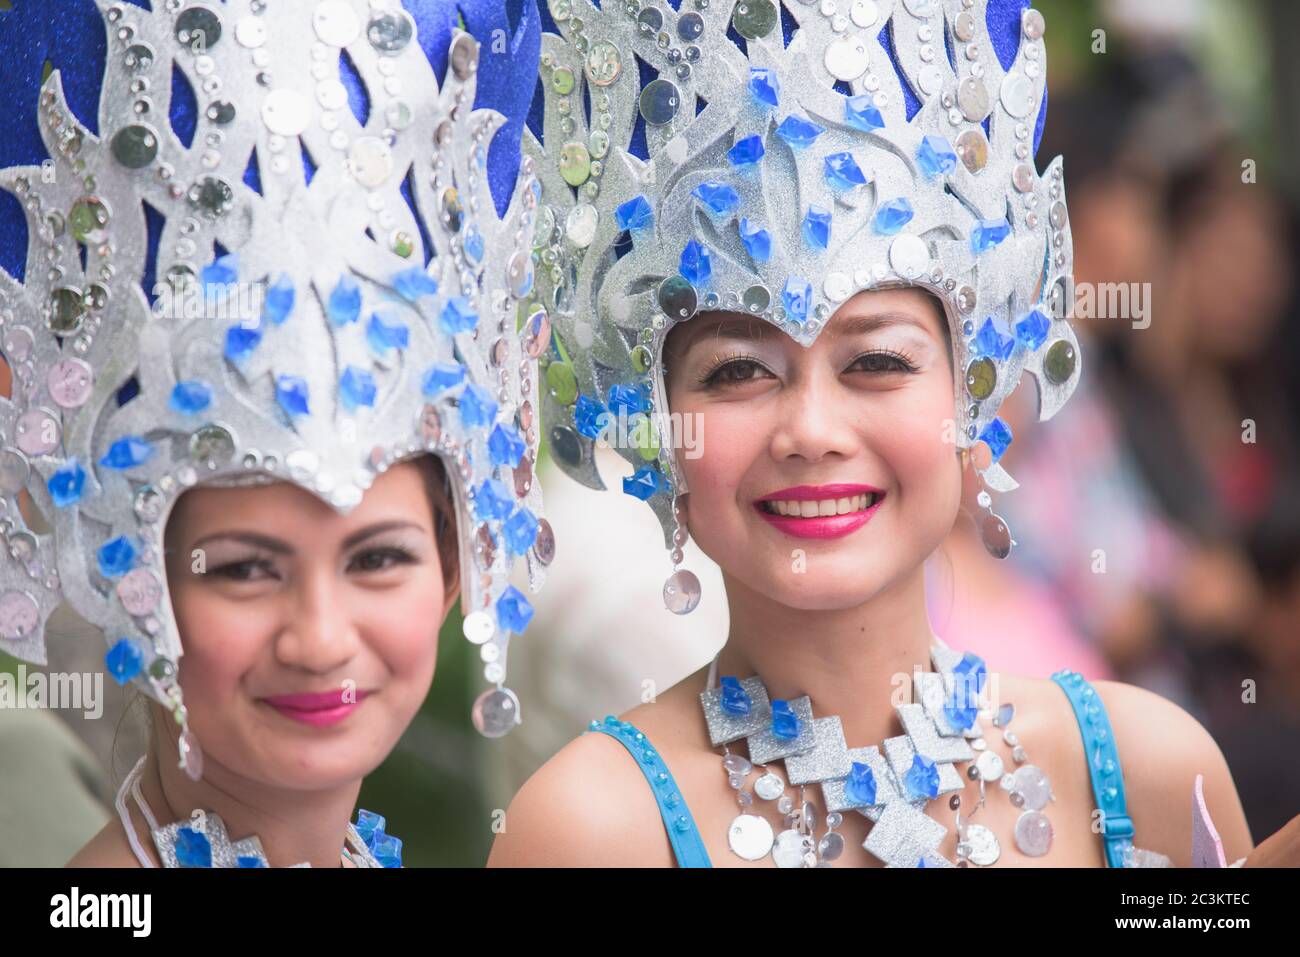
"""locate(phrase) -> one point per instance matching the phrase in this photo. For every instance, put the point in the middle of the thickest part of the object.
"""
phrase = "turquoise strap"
(682, 833)
(1103, 764)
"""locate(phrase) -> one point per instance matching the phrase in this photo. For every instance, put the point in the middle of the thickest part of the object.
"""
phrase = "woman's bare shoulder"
(108, 848)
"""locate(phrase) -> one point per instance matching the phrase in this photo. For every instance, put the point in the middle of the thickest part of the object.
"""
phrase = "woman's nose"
(811, 419)
(321, 635)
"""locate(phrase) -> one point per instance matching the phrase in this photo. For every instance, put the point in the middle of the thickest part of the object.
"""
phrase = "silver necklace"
(891, 785)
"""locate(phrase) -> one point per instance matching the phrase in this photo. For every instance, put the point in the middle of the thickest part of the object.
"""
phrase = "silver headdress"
(773, 160)
(298, 334)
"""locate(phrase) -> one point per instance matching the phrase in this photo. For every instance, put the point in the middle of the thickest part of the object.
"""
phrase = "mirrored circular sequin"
(19, 615)
(38, 432)
(70, 382)
(250, 32)
(973, 148)
(837, 286)
(519, 274)
(963, 27)
(677, 298)
(599, 143)
(370, 160)
(995, 535)
(1059, 362)
(391, 31)
(769, 787)
(682, 592)
(750, 837)
(544, 544)
(286, 112)
(983, 844)
(67, 311)
(659, 102)
(909, 256)
(973, 99)
(212, 446)
(575, 163)
(789, 848)
(14, 471)
(452, 210)
(1056, 215)
(135, 147)
(198, 28)
(1017, 94)
(1033, 833)
(580, 225)
(562, 80)
(604, 63)
(756, 299)
(981, 378)
(566, 446)
(1022, 177)
(690, 26)
(495, 712)
(148, 504)
(139, 57)
(537, 333)
(989, 765)
(336, 22)
(754, 19)
(1033, 24)
(846, 57)
(139, 591)
(88, 219)
(221, 112)
(18, 342)
(212, 196)
(464, 56)
(651, 20)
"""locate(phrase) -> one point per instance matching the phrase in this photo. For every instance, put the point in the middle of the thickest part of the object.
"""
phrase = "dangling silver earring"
(682, 589)
(993, 528)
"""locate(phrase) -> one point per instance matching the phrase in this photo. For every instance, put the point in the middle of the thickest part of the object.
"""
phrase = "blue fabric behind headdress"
(71, 35)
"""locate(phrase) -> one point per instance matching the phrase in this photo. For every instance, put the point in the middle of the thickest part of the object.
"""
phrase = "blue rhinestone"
(356, 388)
(387, 850)
(860, 786)
(124, 660)
(492, 500)
(988, 233)
(644, 483)
(998, 437)
(66, 484)
(718, 198)
(345, 302)
(520, 531)
(764, 85)
(441, 377)
(922, 778)
(757, 240)
(817, 227)
(990, 341)
(291, 393)
(785, 723)
(735, 699)
(799, 132)
(796, 296)
(249, 862)
(634, 214)
(892, 216)
(190, 397)
(127, 452)
(627, 399)
(861, 113)
(413, 283)
(696, 264)
(513, 610)
(746, 152)
(219, 274)
(368, 824)
(241, 341)
(477, 407)
(279, 300)
(971, 671)
(960, 716)
(843, 172)
(474, 244)
(935, 156)
(505, 446)
(193, 849)
(1032, 330)
(384, 332)
(457, 316)
(589, 417)
(116, 557)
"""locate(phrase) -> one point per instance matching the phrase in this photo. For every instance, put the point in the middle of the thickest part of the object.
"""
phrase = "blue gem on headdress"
(241, 341)
(696, 265)
(1031, 331)
(127, 452)
(219, 274)
(817, 227)
(785, 723)
(843, 172)
(413, 283)
(492, 500)
(718, 198)
(589, 417)
(988, 233)
(935, 156)
(279, 300)
(291, 393)
(249, 861)
(922, 778)
(344, 304)
(860, 786)
(520, 531)
(992, 342)
(629, 399)
(735, 699)
(799, 132)
(795, 297)
(124, 660)
(746, 152)
(998, 436)
(645, 482)
(477, 407)
(457, 316)
(474, 244)
(116, 557)
(190, 397)
(634, 214)
(193, 849)
(892, 216)
(764, 85)
(65, 485)
(505, 446)
(513, 610)
(757, 240)
(356, 388)
(860, 113)
(385, 332)
(441, 377)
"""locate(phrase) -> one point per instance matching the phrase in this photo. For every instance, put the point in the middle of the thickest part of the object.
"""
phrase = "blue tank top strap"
(685, 838)
(1103, 765)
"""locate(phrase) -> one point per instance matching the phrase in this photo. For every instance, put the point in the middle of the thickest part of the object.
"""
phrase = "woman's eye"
(881, 362)
(251, 569)
(378, 559)
(735, 370)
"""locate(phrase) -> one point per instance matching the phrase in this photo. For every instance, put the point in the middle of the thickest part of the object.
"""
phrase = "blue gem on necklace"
(860, 788)
(735, 699)
(193, 849)
(785, 723)
(922, 778)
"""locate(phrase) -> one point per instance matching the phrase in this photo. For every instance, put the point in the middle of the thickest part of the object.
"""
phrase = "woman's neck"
(856, 663)
(293, 826)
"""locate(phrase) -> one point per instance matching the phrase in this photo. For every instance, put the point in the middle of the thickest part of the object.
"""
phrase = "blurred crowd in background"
(1158, 518)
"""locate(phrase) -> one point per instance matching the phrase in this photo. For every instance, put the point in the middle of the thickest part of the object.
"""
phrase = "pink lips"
(318, 708)
(820, 526)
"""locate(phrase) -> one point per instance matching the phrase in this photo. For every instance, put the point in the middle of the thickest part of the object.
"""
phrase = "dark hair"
(441, 502)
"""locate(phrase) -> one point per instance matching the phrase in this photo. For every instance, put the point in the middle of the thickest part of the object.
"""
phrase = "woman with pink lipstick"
(833, 253)
(267, 476)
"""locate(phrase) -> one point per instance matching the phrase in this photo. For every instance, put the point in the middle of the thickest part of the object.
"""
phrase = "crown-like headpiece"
(296, 332)
(774, 159)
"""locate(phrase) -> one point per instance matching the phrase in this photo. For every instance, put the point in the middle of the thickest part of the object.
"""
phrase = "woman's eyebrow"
(378, 528)
(870, 322)
(248, 538)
